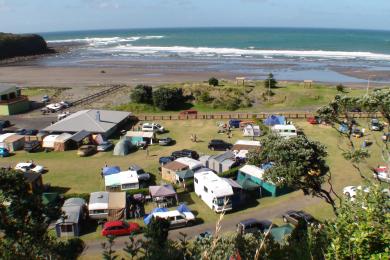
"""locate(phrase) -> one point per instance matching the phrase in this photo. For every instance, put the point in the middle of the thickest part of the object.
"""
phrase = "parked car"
(152, 127)
(357, 133)
(4, 152)
(165, 159)
(29, 166)
(5, 123)
(314, 120)
(120, 228)
(45, 99)
(219, 145)
(185, 153)
(86, 150)
(31, 132)
(294, 216)
(65, 104)
(176, 219)
(21, 131)
(234, 123)
(142, 175)
(54, 107)
(105, 146)
(375, 125)
(253, 226)
(32, 146)
(165, 141)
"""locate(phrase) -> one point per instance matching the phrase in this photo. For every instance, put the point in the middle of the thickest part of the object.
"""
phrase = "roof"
(191, 163)
(89, 120)
(252, 171)
(223, 156)
(120, 178)
(117, 200)
(248, 184)
(140, 134)
(111, 170)
(186, 174)
(285, 127)
(62, 138)
(248, 142)
(71, 214)
(218, 186)
(175, 166)
(232, 183)
(5, 136)
(165, 214)
(74, 202)
(162, 191)
(79, 136)
(49, 197)
(98, 200)
(13, 138)
(5, 88)
(50, 138)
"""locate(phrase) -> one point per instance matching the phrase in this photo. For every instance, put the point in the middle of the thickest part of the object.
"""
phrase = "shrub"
(142, 94)
(340, 88)
(168, 98)
(270, 82)
(205, 97)
(143, 191)
(232, 104)
(230, 173)
(213, 82)
(84, 196)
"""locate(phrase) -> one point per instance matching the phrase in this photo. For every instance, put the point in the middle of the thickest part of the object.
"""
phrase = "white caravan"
(213, 190)
(286, 131)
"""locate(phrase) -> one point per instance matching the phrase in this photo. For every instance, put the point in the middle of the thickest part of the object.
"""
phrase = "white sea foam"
(181, 50)
(99, 41)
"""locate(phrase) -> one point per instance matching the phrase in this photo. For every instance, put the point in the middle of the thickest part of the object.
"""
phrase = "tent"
(183, 208)
(279, 233)
(165, 193)
(275, 120)
(251, 130)
(14, 142)
(149, 217)
(61, 143)
(49, 141)
(343, 128)
(111, 170)
(116, 206)
(123, 147)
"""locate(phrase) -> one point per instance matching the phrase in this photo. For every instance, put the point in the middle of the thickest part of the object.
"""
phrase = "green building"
(250, 178)
(11, 100)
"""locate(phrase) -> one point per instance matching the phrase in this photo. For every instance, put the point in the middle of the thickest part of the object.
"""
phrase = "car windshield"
(125, 224)
(221, 201)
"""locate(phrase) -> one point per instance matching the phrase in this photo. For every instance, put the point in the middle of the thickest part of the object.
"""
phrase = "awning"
(247, 184)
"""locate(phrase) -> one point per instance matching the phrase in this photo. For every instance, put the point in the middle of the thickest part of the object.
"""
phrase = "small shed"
(137, 137)
(169, 170)
(49, 141)
(251, 131)
(123, 147)
(14, 142)
(222, 162)
(117, 206)
(63, 142)
(164, 195)
(75, 212)
(204, 159)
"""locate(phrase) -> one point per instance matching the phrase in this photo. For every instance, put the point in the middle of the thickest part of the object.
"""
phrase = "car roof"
(113, 223)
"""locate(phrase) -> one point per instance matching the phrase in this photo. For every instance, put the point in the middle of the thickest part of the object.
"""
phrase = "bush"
(168, 98)
(205, 97)
(142, 94)
(232, 104)
(270, 82)
(230, 173)
(143, 191)
(340, 88)
(84, 196)
(213, 82)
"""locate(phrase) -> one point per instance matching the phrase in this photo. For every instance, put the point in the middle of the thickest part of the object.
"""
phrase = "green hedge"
(144, 191)
(84, 196)
(230, 173)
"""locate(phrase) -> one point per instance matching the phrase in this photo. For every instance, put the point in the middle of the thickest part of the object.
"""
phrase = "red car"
(314, 120)
(120, 228)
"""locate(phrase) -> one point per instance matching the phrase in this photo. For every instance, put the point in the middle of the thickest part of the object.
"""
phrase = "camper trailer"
(98, 205)
(213, 190)
(126, 180)
(286, 131)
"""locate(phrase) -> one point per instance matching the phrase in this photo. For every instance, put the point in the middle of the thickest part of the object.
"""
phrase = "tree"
(270, 82)
(213, 82)
(298, 163)
(362, 227)
(340, 88)
(156, 235)
(109, 253)
(168, 98)
(24, 221)
(142, 94)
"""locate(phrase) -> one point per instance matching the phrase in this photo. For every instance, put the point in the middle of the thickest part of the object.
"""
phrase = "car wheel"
(285, 220)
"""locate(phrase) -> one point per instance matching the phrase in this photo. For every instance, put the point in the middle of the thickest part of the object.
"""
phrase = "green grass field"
(289, 96)
(69, 173)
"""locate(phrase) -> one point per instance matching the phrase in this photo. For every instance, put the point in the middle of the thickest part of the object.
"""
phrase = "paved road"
(94, 247)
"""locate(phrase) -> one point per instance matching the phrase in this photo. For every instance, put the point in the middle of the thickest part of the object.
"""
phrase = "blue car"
(4, 152)
(165, 160)
(234, 123)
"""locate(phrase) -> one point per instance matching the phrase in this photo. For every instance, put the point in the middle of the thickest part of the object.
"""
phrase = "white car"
(176, 218)
(54, 107)
(152, 127)
(27, 166)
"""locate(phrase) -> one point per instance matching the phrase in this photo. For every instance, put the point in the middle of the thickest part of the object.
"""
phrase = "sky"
(22, 16)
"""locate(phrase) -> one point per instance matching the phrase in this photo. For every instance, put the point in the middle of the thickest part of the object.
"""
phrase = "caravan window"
(98, 211)
(129, 186)
(205, 189)
(196, 180)
(66, 228)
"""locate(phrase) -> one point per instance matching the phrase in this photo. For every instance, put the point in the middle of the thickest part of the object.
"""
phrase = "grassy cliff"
(15, 45)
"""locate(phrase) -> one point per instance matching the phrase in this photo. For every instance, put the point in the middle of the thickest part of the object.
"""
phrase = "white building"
(213, 190)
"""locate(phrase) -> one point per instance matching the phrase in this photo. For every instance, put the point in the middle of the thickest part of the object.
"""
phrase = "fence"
(97, 95)
(224, 116)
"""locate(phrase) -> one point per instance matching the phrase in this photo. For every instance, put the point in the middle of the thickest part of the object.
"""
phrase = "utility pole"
(368, 82)
(269, 89)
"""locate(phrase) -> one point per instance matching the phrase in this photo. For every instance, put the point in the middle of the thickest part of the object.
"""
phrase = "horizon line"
(210, 27)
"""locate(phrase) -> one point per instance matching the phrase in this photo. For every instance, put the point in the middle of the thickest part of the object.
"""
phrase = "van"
(176, 218)
(234, 123)
(152, 127)
(253, 226)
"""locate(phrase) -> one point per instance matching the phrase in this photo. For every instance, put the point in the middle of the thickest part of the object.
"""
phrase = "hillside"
(15, 45)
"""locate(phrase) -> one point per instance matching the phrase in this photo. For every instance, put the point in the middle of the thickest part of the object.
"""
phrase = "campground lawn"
(68, 173)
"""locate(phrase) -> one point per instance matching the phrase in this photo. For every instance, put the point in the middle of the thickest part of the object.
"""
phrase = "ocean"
(289, 53)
